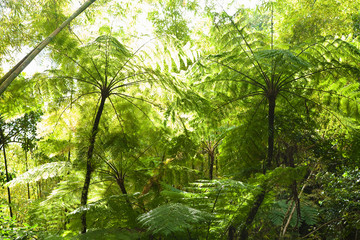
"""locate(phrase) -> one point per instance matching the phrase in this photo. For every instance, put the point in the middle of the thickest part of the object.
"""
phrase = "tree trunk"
(6, 80)
(231, 233)
(121, 184)
(26, 169)
(7, 180)
(212, 160)
(244, 232)
(271, 116)
(89, 165)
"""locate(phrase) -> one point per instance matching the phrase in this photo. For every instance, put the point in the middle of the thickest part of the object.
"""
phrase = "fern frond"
(45, 171)
(173, 218)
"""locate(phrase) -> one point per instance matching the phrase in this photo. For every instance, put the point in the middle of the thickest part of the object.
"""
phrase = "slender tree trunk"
(7, 180)
(231, 233)
(121, 184)
(244, 232)
(6, 80)
(271, 116)
(26, 169)
(212, 160)
(89, 165)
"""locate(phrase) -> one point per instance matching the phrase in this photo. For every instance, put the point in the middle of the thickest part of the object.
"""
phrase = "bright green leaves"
(169, 18)
(43, 172)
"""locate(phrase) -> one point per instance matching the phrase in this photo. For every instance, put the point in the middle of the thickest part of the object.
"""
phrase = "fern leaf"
(172, 218)
(45, 171)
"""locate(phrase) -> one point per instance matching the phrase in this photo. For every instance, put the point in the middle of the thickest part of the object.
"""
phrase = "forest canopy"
(179, 119)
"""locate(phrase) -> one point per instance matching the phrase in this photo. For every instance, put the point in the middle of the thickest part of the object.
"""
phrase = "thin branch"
(77, 79)
(69, 105)
(123, 96)
(254, 83)
(117, 115)
(319, 105)
(317, 229)
(128, 60)
(141, 99)
(78, 64)
(325, 91)
(287, 100)
(285, 82)
(111, 86)
(239, 98)
(248, 46)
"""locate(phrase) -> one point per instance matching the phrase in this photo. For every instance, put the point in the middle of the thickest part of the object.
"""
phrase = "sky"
(42, 62)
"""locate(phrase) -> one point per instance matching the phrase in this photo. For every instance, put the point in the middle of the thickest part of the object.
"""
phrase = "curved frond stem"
(286, 81)
(141, 99)
(112, 84)
(112, 166)
(240, 98)
(106, 172)
(69, 105)
(304, 50)
(96, 68)
(125, 97)
(128, 60)
(325, 91)
(136, 159)
(287, 100)
(319, 105)
(254, 82)
(78, 79)
(78, 64)
(106, 60)
(117, 115)
(257, 65)
(129, 84)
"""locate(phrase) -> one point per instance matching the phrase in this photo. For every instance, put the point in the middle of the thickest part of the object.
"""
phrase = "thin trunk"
(27, 169)
(271, 129)
(89, 165)
(231, 233)
(14, 72)
(7, 180)
(121, 184)
(212, 160)
(39, 187)
(244, 232)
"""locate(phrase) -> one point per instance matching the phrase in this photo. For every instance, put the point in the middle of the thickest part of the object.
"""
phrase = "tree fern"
(173, 218)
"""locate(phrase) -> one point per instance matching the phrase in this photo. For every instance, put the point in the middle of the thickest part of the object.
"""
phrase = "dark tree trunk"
(121, 184)
(7, 180)
(26, 169)
(271, 130)
(89, 165)
(244, 232)
(231, 233)
(212, 160)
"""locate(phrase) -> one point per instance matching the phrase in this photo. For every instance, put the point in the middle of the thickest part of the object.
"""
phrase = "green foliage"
(11, 229)
(277, 214)
(42, 172)
(173, 218)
